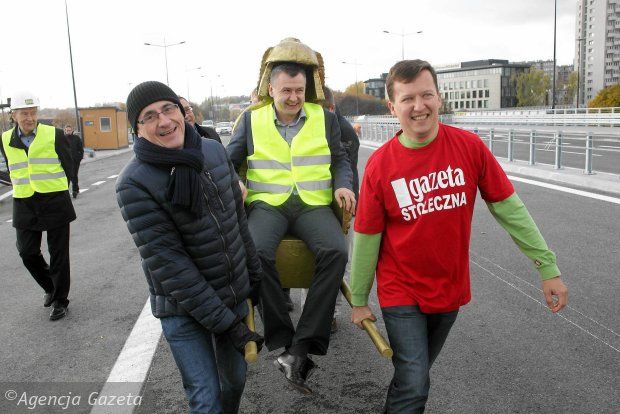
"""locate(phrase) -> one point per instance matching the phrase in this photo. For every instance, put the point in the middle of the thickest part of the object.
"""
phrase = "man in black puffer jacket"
(182, 203)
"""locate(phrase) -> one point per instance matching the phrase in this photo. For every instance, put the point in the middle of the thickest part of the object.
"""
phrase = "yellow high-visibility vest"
(275, 169)
(38, 170)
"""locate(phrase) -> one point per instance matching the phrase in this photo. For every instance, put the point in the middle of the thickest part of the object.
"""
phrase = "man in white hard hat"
(38, 159)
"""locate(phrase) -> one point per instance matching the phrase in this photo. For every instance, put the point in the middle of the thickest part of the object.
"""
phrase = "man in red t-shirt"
(413, 228)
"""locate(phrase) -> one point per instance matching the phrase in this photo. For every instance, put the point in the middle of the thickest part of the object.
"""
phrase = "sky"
(226, 40)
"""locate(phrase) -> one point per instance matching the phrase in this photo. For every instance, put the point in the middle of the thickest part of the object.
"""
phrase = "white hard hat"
(24, 99)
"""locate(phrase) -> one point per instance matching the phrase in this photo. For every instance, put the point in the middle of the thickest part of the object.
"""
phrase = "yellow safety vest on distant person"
(275, 169)
(38, 170)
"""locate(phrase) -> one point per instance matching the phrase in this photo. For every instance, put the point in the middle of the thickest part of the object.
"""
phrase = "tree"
(351, 88)
(608, 97)
(65, 117)
(368, 104)
(532, 87)
(571, 89)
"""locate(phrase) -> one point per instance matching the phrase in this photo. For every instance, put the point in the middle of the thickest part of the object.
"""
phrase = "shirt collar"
(21, 134)
(302, 114)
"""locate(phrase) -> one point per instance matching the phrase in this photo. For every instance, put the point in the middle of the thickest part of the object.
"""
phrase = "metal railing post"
(491, 133)
(589, 152)
(532, 147)
(511, 138)
(558, 150)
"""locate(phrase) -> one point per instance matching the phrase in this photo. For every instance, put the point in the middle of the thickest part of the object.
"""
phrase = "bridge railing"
(587, 150)
(604, 117)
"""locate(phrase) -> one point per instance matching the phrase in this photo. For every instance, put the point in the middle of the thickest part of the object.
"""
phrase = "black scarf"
(184, 188)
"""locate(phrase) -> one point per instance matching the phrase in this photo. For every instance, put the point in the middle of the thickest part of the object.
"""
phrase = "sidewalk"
(6, 192)
(573, 177)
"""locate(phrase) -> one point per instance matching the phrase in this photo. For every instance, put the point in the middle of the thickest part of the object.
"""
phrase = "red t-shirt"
(422, 200)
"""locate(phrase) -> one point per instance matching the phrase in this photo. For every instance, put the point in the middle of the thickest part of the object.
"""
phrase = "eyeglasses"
(188, 109)
(152, 117)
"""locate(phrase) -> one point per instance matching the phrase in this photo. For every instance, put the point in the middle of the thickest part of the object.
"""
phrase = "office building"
(480, 84)
(597, 46)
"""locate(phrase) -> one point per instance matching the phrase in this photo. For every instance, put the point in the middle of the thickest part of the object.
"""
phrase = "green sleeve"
(513, 216)
(363, 265)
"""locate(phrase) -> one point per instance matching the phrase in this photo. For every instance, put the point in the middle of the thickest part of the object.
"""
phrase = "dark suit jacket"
(207, 132)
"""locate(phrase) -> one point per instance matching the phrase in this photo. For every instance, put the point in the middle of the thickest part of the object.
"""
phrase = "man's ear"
(390, 106)
(270, 90)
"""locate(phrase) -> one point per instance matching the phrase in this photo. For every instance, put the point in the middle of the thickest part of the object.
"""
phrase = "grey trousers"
(318, 227)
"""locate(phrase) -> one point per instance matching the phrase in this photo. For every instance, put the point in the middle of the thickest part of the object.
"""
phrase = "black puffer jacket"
(194, 266)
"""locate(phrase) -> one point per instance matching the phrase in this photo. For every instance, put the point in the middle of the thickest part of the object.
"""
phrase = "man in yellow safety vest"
(38, 159)
(296, 164)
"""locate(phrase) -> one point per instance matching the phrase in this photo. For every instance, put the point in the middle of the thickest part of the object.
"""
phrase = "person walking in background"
(204, 131)
(39, 162)
(181, 200)
(77, 154)
(413, 228)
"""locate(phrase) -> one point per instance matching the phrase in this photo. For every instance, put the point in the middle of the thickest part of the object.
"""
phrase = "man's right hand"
(359, 313)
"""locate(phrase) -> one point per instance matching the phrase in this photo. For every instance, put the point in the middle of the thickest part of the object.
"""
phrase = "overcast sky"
(227, 38)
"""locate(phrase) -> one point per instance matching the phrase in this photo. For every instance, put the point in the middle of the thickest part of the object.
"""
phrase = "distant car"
(208, 123)
(223, 128)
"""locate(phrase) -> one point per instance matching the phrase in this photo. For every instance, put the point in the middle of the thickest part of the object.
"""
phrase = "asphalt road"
(505, 354)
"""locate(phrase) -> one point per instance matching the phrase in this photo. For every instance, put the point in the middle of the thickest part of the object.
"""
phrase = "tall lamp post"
(211, 92)
(357, 93)
(555, 15)
(579, 39)
(165, 46)
(77, 116)
(402, 36)
(187, 76)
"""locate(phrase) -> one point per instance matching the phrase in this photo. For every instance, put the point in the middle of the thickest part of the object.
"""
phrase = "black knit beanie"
(145, 94)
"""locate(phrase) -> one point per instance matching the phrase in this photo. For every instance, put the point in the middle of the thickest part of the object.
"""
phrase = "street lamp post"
(357, 94)
(187, 76)
(165, 46)
(402, 36)
(579, 39)
(555, 13)
(211, 93)
(78, 124)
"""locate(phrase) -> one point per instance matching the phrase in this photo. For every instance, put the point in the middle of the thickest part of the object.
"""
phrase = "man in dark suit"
(77, 153)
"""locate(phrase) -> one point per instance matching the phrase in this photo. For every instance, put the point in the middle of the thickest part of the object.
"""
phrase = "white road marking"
(9, 221)
(134, 361)
(99, 183)
(113, 176)
(83, 190)
(582, 193)
(6, 195)
(545, 307)
(540, 290)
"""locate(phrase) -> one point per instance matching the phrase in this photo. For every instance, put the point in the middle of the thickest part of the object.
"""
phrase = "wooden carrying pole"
(369, 326)
(251, 354)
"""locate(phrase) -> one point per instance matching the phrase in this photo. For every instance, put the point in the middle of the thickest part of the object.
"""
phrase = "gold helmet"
(292, 50)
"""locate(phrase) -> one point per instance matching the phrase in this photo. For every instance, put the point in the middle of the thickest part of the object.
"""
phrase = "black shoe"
(293, 366)
(75, 194)
(48, 299)
(58, 312)
(309, 366)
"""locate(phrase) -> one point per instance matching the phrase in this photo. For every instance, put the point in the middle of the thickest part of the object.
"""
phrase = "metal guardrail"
(602, 117)
(559, 148)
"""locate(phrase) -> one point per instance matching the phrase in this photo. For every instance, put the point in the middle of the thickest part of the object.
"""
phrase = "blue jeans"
(416, 339)
(213, 372)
